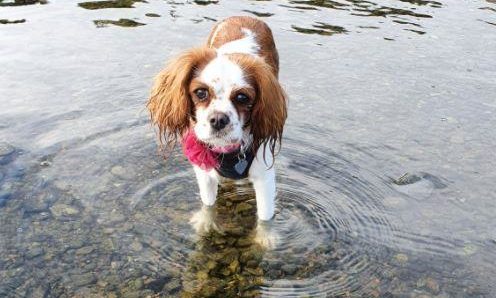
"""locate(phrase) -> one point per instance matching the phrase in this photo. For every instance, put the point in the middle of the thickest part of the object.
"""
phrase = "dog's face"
(224, 98)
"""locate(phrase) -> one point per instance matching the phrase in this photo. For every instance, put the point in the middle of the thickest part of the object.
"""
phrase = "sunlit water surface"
(386, 176)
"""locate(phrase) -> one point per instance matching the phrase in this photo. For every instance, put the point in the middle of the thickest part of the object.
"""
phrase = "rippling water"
(385, 180)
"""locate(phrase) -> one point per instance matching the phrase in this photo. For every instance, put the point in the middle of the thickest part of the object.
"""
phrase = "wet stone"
(175, 284)
(401, 259)
(254, 271)
(120, 172)
(136, 246)
(131, 294)
(81, 280)
(245, 241)
(6, 149)
(35, 252)
(63, 210)
(243, 206)
(136, 284)
(432, 285)
(4, 197)
(75, 244)
(85, 250)
(406, 179)
(289, 269)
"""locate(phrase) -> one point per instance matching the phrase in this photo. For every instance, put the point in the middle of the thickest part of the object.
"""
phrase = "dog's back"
(242, 34)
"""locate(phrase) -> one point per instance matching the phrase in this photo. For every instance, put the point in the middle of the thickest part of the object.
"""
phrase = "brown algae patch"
(92, 5)
(120, 23)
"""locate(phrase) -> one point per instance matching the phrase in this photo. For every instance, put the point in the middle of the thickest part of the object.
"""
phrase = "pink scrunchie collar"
(200, 154)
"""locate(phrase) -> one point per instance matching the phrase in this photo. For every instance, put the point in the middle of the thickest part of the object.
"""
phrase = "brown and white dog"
(225, 98)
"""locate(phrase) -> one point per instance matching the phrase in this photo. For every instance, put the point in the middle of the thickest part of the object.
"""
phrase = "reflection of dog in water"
(226, 259)
(223, 101)
(238, 203)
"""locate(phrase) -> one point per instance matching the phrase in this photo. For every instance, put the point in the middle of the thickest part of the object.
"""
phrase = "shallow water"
(386, 175)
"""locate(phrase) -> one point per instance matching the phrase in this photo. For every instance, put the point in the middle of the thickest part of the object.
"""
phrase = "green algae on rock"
(120, 23)
(6, 21)
(22, 2)
(92, 5)
(259, 14)
(152, 15)
(321, 29)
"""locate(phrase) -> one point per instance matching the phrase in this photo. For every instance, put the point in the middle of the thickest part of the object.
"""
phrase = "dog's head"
(226, 99)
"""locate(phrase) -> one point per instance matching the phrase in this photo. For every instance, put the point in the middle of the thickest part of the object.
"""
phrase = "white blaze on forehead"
(245, 45)
(222, 75)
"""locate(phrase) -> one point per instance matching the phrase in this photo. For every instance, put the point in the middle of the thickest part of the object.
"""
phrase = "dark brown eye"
(201, 93)
(242, 98)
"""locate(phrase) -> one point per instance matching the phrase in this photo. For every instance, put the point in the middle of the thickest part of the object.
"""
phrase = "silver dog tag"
(240, 166)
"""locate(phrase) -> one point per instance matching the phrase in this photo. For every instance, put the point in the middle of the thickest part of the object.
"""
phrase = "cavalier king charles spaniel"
(224, 103)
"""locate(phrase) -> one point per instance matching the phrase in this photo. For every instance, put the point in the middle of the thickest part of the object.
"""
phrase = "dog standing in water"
(223, 101)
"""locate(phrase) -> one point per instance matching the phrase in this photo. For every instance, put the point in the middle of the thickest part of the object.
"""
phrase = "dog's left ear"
(270, 107)
(170, 105)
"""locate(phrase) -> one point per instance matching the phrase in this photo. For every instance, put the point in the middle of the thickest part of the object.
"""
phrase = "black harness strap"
(233, 166)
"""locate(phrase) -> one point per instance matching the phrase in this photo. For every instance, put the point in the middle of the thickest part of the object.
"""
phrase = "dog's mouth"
(224, 143)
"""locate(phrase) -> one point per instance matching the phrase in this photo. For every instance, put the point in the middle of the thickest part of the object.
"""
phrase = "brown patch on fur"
(170, 104)
(197, 84)
(243, 109)
(231, 29)
(269, 111)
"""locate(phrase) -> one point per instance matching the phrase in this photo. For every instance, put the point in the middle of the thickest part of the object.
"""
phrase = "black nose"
(219, 120)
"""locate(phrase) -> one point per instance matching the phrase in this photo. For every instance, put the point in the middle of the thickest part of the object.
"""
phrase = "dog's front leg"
(203, 220)
(263, 178)
(208, 183)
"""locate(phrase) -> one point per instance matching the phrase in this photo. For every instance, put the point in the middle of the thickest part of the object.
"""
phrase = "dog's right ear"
(170, 105)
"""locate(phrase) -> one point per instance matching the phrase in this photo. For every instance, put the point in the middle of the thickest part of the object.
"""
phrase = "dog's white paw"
(203, 221)
(266, 235)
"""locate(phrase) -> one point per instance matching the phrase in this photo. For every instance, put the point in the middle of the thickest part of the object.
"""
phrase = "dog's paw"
(203, 221)
(266, 235)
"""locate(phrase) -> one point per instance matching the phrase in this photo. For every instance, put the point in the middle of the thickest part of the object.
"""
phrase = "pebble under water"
(385, 177)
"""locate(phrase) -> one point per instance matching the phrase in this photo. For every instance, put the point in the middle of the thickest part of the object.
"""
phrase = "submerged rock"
(407, 178)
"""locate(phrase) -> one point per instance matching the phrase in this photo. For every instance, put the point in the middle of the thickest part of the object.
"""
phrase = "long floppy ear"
(170, 105)
(269, 110)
